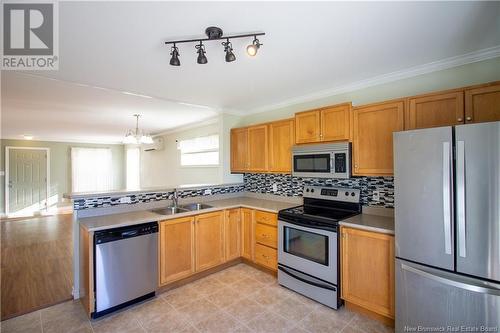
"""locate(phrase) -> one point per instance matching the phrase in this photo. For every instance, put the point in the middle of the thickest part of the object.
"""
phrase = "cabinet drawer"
(266, 235)
(266, 256)
(266, 218)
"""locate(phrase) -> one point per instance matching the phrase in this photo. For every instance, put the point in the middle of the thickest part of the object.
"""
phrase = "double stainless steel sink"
(181, 209)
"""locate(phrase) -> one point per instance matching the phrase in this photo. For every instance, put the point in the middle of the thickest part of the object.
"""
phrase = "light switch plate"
(125, 200)
(376, 195)
(208, 192)
(275, 187)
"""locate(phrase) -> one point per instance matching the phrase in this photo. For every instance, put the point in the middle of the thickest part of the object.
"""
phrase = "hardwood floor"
(36, 268)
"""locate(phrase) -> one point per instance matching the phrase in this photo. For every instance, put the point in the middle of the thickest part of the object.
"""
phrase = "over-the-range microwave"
(326, 160)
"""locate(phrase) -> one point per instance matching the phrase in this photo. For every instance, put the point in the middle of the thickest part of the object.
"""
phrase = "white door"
(27, 181)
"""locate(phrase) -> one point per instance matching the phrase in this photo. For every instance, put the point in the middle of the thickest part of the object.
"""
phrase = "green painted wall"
(60, 165)
(475, 73)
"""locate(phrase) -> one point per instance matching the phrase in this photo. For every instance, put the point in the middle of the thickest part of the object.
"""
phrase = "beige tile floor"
(238, 299)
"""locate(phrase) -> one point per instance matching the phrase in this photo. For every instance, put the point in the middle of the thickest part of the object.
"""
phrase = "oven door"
(312, 164)
(308, 250)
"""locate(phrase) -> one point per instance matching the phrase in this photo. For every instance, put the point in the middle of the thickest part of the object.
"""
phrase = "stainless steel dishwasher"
(125, 266)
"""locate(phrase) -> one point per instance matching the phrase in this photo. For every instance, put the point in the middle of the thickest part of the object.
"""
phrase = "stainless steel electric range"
(308, 246)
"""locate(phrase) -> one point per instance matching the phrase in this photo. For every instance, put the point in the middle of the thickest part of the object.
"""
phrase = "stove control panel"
(332, 193)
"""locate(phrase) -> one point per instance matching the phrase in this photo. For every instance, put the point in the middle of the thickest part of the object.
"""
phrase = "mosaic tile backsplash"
(293, 186)
(110, 201)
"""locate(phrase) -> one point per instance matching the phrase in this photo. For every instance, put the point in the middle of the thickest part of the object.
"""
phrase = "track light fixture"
(214, 33)
(202, 59)
(228, 48)
(174, 61)
(254, 47)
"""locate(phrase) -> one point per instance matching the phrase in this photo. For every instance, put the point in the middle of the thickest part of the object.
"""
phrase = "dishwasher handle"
(111, 235)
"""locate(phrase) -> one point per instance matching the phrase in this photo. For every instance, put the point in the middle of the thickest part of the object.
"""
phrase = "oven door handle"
(316, 284)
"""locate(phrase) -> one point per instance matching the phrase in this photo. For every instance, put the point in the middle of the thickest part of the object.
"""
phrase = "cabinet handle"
(459, 119)
(468, 118)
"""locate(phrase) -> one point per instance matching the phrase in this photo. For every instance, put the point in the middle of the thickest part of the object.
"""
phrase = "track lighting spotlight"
(202, 59)
(254, 47)
(228, 48)
(174, 61)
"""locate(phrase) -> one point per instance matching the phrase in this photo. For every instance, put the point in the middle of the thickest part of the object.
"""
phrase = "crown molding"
(468, 58)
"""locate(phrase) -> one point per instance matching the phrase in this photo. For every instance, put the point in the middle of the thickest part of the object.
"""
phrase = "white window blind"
(133, 167)
(91, 169)
(200, 151)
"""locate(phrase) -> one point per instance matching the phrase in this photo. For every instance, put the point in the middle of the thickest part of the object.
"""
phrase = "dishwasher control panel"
(114, 234)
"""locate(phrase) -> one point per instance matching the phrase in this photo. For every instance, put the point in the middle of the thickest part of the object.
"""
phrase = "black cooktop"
(319, 212)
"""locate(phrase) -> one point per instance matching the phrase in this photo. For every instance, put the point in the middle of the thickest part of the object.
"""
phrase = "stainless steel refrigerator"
(447, 203)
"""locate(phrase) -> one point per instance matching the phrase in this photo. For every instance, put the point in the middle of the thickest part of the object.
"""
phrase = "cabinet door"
(266, 256)
(482, 104)
(239, 150)
(232, 233)
(368, 270)
(209, 240)
(372, 142)
(281, 140)
(257, 148)
(308, 126)
(436, 110)
(176, 249)
(247, 233)
(335, 123)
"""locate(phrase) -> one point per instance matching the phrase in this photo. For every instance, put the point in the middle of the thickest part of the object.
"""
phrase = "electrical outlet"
(208, 191)
(275, 187)
(376, 195)
(125, 200)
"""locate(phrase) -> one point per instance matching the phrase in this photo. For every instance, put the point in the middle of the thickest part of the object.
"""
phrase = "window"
(91, 169)
(133, 167)
(200, 151)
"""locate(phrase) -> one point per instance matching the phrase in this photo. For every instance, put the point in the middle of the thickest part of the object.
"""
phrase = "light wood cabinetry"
(482, 103)
(239, 149)
(266, 256)
(434, 110)
(368, 270)
(372, 144)
(266, 235)
(281, 140)
(257, 148)
(247, 233)
(176, 250)
(266, 239)
(209, 240)
(266, 218)
(232, 234)
(321, 125)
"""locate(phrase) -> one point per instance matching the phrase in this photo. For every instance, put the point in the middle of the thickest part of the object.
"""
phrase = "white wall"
(162, 168)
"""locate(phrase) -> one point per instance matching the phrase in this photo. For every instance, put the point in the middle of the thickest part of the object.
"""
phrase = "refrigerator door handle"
(482, 289)
(461, 198)
(447, 196)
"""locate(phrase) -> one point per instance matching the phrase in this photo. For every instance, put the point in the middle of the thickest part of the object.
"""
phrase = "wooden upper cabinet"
(335, 122)
(209, 240)
(239, 149)
(308, 126)
(257, 148)
(232, 235)
(482, 104)
(372, 142)
(176, 249)
(281, 140)
(368, 270)
(247, 233)
(435, 110)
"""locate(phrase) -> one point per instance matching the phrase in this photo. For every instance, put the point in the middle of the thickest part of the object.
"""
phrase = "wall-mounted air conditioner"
(156, 145)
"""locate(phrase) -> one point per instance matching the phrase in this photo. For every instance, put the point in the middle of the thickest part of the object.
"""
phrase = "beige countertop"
(372, 220)
(125, 219)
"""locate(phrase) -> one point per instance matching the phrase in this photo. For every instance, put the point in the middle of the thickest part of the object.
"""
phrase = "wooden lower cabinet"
(176, 249)
(247, 233)
(232, 234)
(266, 235)
(266, 256)
(209, 240)
(367, 270)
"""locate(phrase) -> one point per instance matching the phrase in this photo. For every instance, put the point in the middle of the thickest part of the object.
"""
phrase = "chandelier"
(135, 137)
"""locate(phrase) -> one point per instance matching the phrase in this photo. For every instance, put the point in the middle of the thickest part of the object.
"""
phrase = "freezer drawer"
(431, 298)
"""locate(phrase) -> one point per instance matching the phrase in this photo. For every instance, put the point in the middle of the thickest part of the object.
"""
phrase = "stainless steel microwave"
(326, 160)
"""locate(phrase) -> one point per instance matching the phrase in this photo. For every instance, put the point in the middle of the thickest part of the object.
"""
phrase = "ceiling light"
(228, 48)
(28, 137)
(136, 136)
(174, 61)
(202, 59)
(214, 33)
(254, 47)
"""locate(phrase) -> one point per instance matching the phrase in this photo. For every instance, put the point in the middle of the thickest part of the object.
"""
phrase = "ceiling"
(308, 47)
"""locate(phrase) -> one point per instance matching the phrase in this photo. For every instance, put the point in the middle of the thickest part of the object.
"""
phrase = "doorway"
(27, 180)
